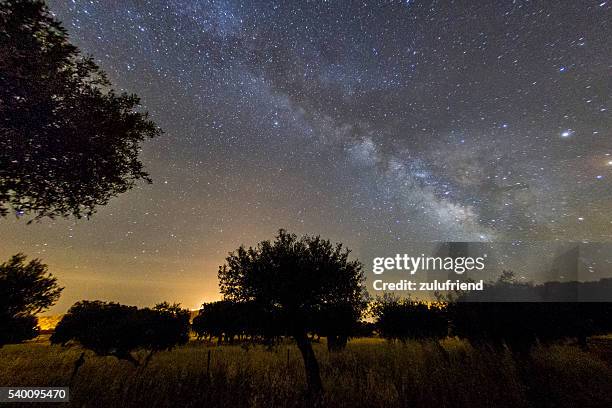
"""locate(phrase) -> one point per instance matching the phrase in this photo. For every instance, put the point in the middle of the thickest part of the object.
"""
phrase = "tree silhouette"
(520, 314)
(222, 319)
(336, 322)
(402, 319)
(298, 278)
(25, 290)
(69, 142)
(112, 329)
(165, 326)
(226, 319)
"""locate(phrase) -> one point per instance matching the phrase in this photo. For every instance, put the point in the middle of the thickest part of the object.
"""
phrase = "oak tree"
(299, 278)
(69, 141)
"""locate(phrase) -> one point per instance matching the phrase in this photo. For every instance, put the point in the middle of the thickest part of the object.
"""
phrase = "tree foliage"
(518, 314)
(69, 141)
(299, 278)
(112, 329)
(403, 319)
(337, 322)
(225, 320)
(249, 321)
(26, 289)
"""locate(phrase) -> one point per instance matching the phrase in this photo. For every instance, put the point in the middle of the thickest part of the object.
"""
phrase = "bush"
(403, 319)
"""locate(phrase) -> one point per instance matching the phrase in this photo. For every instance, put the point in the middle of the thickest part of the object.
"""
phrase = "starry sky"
(385, 126)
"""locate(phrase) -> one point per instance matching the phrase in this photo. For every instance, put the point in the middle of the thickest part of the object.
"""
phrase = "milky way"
(372, 124)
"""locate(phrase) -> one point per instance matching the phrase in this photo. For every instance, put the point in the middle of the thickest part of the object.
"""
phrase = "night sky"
(377, 125)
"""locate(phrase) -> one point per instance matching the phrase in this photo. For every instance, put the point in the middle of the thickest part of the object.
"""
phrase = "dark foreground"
(369, 373)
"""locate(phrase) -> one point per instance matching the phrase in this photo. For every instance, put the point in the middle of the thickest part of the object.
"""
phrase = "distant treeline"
(517, 325)
(113, 329)
(227, 321)
(509, 289)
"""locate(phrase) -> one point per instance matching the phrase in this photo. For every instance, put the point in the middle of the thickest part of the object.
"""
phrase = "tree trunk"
(77, 364)
(148, 358)
(127, 356)
(336, 343)
(582, 341)
(313, 375)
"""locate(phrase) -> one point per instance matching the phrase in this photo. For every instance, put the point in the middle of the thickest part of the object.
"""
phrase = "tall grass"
(369, 373)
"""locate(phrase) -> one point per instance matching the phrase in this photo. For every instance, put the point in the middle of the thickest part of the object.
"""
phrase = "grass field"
(369, 373)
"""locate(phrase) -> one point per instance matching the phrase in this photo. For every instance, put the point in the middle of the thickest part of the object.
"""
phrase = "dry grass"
(369, 373)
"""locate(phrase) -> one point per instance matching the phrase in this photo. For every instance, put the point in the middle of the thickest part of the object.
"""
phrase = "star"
(386, 128)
